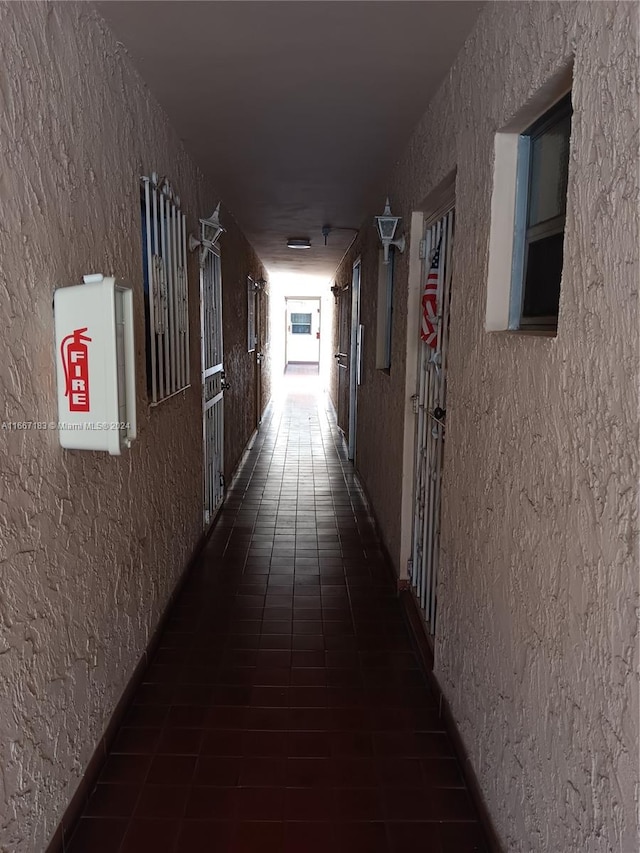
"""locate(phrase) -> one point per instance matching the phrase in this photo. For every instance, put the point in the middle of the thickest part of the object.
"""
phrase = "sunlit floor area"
(298, 379)
(285, 710)
(302, 368)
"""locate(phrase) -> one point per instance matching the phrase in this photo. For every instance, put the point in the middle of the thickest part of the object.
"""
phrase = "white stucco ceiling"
(296, 110)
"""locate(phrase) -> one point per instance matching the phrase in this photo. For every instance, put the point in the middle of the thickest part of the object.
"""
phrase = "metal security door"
(260, 343)
(355, 358)
(342, 358)
(213, 383)
(431, 410)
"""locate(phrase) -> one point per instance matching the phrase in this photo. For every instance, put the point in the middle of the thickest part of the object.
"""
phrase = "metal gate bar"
(430, 429)
(166, 259)
(212, 384)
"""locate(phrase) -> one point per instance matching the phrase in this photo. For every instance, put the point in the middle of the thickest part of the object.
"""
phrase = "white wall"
(91, 546)
(283, 285)
(537, 638)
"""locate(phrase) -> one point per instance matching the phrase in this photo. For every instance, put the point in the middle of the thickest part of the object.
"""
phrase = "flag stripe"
(429, 321)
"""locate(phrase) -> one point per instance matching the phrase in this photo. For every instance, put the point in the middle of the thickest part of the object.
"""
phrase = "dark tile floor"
(285, 710)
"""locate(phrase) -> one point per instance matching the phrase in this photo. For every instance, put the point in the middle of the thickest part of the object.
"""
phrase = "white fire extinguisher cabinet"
(95, 358)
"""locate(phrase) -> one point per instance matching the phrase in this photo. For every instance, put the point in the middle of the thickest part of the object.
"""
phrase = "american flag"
(429, 323)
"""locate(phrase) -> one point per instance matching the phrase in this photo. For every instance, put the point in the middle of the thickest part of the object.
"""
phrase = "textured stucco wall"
(265, 338)
(536, 647)
(240, 402)
(90, 546)
(381, 393)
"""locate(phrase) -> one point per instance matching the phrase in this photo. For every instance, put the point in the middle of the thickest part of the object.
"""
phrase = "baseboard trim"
(422, 640)
(425, 649)
(78, 802)
(266, 412)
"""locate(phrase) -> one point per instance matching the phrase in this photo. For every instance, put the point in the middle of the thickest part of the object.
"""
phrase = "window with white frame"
(541, 201)
(164, 253)
(300, 324)
(528, 210)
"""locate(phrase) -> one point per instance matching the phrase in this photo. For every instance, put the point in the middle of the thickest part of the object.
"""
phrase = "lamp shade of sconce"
(387, 225)
(194, 243)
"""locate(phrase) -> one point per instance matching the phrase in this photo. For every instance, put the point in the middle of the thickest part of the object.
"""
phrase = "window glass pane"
(301, 318)
(549, 169)
(544, 270)
(300, 329)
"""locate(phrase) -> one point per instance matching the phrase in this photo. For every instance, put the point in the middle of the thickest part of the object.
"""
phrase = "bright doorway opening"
(302, 335)
(301, 320)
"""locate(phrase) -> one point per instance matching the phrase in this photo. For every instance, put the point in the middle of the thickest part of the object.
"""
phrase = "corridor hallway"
(284, 710)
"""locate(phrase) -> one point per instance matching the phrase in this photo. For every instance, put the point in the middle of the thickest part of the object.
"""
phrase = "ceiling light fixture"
(298, 243)
(386, 225)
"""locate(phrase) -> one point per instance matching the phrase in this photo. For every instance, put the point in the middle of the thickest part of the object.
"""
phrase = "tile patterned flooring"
(298, 368)
(285, 710)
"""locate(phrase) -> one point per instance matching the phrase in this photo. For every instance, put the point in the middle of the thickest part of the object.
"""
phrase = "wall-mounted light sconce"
(260, 284)
(298, 243)
(337, 291)
(211, 231)
(386, 225)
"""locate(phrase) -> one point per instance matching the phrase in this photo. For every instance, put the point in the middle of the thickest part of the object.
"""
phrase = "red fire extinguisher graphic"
(75, 362)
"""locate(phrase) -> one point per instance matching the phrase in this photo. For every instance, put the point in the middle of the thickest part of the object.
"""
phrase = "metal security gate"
(213, 383)
(165, 289)
(431, 408)
(355, 358)
(342, 359)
